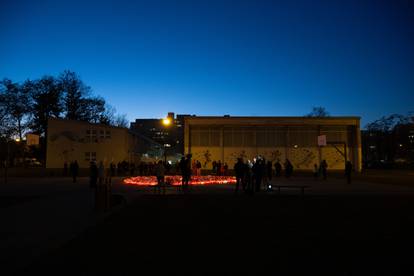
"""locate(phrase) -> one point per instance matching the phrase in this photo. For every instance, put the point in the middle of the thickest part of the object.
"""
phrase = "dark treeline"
(27, 106)
(389, 142)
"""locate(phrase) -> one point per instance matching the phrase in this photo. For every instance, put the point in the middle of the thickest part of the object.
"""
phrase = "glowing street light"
(166, 121)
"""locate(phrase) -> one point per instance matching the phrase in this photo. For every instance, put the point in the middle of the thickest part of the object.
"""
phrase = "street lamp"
(166, 121)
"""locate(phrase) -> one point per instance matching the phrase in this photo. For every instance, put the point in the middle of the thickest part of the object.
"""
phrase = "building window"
(108, 134)
(101, 134)
(94, 134)
(90, 156)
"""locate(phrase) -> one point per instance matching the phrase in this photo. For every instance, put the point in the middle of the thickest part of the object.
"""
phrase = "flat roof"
(279, 120)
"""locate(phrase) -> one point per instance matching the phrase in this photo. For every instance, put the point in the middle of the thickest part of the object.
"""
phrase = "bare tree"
(387, 123)
(15, 106)
(121, 120)
(318, 111)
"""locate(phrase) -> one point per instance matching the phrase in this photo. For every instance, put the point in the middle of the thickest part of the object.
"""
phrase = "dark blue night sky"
(220, 57)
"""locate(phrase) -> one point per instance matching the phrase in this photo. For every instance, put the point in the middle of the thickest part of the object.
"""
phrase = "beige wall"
(67, 141)
(294, 138)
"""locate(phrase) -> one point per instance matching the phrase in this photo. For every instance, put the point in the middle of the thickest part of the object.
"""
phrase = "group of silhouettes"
(251, 176)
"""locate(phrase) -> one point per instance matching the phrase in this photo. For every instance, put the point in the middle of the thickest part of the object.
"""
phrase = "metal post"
(165, 155)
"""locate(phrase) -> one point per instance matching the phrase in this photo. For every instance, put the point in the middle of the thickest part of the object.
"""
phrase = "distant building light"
(372, 147)
(295, 146)
(401, 145)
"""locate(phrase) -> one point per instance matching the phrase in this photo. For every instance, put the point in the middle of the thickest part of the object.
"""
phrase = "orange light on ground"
(175, 180)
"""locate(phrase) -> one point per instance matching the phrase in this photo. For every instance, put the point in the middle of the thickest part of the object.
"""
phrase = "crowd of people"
(250, 176)
(253, 176)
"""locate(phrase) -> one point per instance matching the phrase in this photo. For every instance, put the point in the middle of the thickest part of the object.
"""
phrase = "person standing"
(183, 168)
(160, 174)
(74, 170)
(324, 169)
(93, 178)
(348, 171)
(214, 165)
(218, 168)
(315, 171)
(198, 168)
(278, 168)
(112, 170)
(288, 168)
(248, 181)
(258, 174)
(239, 172)
(187, 171)
(101, 173)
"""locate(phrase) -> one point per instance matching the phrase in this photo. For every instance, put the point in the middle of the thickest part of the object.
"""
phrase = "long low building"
(226, 138)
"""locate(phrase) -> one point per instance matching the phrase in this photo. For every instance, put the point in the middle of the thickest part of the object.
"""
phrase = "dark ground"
(208, 234)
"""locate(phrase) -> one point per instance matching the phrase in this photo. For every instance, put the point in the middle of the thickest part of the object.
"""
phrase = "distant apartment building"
(167, 133)
(69, 140)
(227, 138)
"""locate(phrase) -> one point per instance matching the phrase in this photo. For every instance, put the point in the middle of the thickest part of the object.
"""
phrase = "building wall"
(275, 138)
(74, 140)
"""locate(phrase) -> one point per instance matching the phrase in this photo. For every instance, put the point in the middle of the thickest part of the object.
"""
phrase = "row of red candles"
(177, 180)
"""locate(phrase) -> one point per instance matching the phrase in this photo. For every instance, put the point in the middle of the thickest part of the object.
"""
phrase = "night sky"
(247, 58)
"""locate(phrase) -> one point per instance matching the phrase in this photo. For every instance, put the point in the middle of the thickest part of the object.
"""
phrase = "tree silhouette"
(15, 106)
(319, 112)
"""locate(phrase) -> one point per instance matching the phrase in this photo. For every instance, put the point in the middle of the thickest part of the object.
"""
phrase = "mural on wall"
(203, 156)
(333, 157)
(303, 158)
(207, 158)
(275, 155)
(237, 154)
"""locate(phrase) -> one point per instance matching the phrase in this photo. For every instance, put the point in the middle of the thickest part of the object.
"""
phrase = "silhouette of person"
(93, 178)
(315, 171)
(74, 170)
(198, 168)
(324, 169)
(278, 168)
(248, 183)
(183, 169)
(187, 171)
(160, 174)
(218, 168)
(112, 170)
(239, 172)
(348, 171)
(288, 168)
(258, 174)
